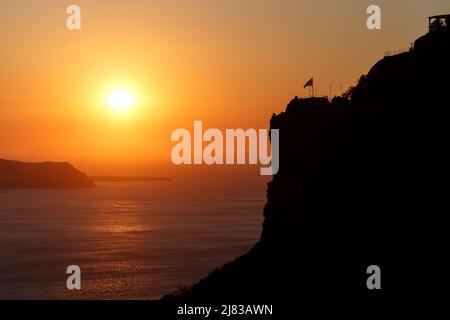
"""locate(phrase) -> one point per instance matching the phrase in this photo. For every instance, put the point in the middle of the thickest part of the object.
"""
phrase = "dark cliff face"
(363, 180)
(15, 174)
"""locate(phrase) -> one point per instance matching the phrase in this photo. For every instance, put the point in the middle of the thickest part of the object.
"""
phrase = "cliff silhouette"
(15, 174)
(363, 180)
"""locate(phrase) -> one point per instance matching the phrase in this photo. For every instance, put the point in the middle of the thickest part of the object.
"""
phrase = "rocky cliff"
(363, 181)
(15, 174)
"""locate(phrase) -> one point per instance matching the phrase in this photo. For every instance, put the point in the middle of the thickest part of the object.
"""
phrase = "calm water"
(133, 240)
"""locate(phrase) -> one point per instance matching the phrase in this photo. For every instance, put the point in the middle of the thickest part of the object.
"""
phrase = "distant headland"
(57, 175)
(117, 179)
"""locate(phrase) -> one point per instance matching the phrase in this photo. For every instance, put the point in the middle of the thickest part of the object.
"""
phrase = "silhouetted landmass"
(116, 179)
(15, 174)
(363, 180)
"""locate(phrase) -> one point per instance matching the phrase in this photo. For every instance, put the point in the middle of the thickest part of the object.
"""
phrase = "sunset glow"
(138, 74)
(120, 100)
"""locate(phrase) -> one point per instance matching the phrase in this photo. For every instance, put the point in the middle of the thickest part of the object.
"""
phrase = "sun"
(120, 100)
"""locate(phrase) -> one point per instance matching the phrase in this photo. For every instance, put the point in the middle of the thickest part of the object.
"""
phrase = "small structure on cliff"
(439, 23)
(437, 40)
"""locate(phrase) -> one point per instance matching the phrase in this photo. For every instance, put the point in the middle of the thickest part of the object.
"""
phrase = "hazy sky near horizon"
(228, 63)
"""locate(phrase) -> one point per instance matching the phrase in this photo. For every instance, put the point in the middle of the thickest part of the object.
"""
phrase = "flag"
(310, 83)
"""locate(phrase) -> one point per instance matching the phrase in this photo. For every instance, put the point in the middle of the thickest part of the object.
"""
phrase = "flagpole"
(310, 85)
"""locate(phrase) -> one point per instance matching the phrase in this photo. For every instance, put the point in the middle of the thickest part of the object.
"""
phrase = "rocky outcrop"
(15, 174)
(363, 181)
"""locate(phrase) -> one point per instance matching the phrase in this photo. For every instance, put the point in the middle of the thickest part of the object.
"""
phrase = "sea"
(131, 240)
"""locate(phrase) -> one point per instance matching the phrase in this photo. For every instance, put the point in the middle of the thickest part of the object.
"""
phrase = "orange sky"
(228, 63)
